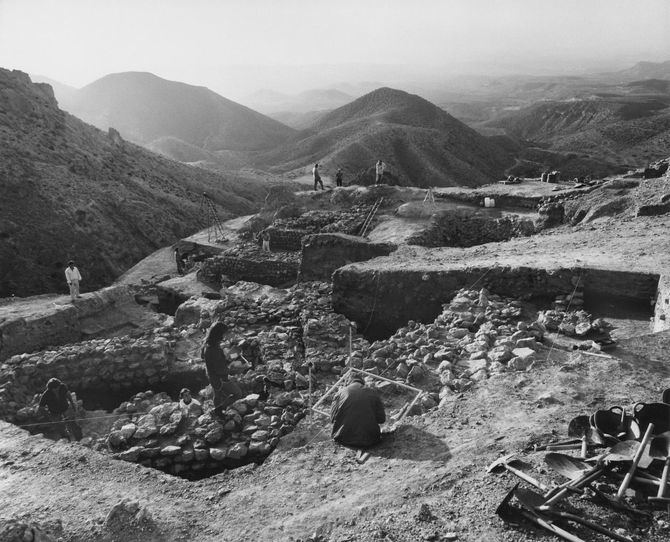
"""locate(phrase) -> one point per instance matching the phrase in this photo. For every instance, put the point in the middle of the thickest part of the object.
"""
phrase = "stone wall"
(102, 365)
(270, 270)
(662, 307)
(466, 229)
(51, 324)
(381, 301)
(323, 253)
(285, 239)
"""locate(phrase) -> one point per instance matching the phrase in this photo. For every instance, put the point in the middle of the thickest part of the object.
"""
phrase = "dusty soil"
(311, 487)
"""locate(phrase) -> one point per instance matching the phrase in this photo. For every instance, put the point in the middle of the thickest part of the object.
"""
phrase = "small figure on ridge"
(317, 177)
(72, 277)
(338, 177)
(265, 237)
(379, 170)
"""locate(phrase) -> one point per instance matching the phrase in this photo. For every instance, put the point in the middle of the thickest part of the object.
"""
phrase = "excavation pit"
(380, 300)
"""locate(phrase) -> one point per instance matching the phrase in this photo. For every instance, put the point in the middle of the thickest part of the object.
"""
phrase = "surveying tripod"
(215, 231)
(429, 198)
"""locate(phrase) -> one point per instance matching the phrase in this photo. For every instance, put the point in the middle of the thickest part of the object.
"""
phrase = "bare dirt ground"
(621, 243)
(313, 488)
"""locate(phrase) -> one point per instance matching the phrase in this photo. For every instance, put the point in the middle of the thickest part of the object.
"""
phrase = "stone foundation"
(323, 253)
(104, 365)
(250, 265)
(56, 324)
(381, 301)
(466, 229)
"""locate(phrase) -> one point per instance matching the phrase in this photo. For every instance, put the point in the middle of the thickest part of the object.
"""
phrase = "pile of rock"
(155, 431)
(579, 324)
(348, 221)
(477, 334)
(470, 228)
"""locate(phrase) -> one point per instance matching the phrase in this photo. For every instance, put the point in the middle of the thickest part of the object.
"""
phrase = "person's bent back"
(356, 414)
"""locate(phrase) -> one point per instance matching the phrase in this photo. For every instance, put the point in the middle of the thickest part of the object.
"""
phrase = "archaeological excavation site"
(520, 351)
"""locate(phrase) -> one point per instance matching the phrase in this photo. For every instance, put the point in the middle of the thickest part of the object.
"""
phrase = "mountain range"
(146, 109)
(421, 144)
(70, 190)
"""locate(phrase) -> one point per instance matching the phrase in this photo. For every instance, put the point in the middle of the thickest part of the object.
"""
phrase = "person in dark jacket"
(338, 177)
(356, 414)
(216, 364)
(58, 403)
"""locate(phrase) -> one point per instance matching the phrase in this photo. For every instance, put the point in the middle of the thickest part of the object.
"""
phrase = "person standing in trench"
(216, 364)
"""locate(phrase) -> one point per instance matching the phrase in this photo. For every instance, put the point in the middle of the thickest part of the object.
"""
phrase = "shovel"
(509, 513)
(531, 501)
(573, 469)
(656, 413)
(505, 463)
(580, 427)
(660, 448)
(638, 456)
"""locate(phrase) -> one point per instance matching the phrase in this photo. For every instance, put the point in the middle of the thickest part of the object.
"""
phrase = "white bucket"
(489, 202)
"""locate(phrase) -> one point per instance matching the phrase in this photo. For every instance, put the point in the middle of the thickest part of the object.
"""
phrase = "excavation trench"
(382, 300)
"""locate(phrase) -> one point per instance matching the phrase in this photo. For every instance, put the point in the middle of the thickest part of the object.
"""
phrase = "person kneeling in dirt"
(189, 406)
(356, 414)
(216, 364)
(57, 402)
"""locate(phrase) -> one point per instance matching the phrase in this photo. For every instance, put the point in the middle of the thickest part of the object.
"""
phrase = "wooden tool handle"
(532, 481)
(585, 479)
(593, 526)
(636, 460)
(664, 479)
(584, 444)
(551, 527)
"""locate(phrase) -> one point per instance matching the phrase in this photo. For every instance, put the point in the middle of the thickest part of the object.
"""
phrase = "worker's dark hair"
(53, 383)
(215, 333)
(71, 262)
(183, 391)
(358, 378)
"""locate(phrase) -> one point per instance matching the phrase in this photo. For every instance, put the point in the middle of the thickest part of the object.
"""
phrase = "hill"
(646, 70)
(72, 191)
(145, 108)
(620, 130)
(422, 144)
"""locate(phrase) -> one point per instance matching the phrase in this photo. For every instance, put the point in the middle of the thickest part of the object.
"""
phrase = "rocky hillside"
(146, 109)
(421, 143)
(72, 191)
(622, 126)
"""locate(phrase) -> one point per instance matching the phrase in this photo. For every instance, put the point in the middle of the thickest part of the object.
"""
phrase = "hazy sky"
(237, 46)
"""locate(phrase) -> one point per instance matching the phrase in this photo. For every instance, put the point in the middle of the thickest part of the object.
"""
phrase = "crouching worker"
(356, 414)
(216, 364)
(57, 402)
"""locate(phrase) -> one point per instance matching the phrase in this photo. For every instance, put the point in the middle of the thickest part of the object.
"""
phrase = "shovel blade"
(660, 446)
(579, 427)
(566, 465)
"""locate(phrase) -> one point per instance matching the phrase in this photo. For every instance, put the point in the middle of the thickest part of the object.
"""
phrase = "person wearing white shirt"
(379, 170)
(73, 277)
(317, 176)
